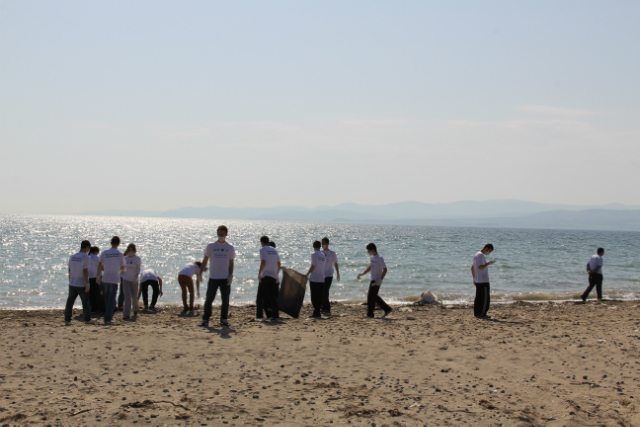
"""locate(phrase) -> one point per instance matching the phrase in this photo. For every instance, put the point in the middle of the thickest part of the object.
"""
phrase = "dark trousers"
(75, 292)
(144, 287)
(96, 296)
(483, 299)
(595, 280)
(212, 289)
(373, 298)
(110, 293)
(267, 298)
(316, 297)
(326, 304)
(121, 295)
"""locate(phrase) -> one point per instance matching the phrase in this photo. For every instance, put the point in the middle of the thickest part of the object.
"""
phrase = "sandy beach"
(552, 364)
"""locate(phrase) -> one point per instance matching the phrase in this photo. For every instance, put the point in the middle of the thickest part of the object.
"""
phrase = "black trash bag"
(292, 289)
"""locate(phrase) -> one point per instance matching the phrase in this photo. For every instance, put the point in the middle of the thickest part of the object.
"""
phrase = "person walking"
(331, 262)
(480, 273)
(112, 264)
(149, 278)
(316, 279)
(130, 281)
(79, 285)
(378, 270)
(594, 268)
(222, 256)
(185, 280)
(267, 279)
(96, 295)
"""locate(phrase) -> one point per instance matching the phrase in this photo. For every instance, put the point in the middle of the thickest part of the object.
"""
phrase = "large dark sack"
(292, 289)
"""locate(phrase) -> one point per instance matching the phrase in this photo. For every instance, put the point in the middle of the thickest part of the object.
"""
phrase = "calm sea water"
(530, 264)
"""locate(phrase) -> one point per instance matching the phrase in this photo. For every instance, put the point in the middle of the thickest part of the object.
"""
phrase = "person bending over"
(185, 280)
(149, 278)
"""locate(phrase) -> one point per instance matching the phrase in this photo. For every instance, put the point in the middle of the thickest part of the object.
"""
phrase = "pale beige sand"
(561, 364)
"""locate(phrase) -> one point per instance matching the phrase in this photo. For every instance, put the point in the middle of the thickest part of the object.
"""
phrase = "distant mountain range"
(493, 213)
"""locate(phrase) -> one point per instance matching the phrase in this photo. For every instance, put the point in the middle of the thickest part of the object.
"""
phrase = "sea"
(531, 264)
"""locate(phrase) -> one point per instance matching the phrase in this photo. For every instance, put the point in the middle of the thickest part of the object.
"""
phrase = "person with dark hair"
(266, 299)
(480, 273)
(378, 270)
(316, 279)
(331, 261)
(185, 280)
(130, 281)
(594, 268)
(112, 263)
(221, 254)
(96, 295)
(79, 284)
(149, 278)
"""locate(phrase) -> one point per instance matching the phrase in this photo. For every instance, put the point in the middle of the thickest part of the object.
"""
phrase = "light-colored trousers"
(130, 296)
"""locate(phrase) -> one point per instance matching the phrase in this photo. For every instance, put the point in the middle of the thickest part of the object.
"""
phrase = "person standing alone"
(480, 273)
(79, 284)
(330, 261)
(221, 254)
(112, 263)
(378, 270)
(594, 268)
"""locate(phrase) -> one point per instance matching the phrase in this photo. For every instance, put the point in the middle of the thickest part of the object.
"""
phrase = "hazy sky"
(164, 104)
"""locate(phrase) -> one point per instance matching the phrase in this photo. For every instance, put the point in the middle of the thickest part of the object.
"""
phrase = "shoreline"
(351, 302)
(558, 364)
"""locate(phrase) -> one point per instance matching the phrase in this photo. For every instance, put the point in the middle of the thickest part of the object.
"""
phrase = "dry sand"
(555, 364)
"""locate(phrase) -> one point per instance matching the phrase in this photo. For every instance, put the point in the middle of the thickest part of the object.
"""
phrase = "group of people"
(95, 279)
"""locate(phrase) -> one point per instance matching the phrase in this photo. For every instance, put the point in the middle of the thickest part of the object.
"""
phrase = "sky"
(165, 104)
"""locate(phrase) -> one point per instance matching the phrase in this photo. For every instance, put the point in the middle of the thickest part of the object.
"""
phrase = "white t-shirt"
(93, 266)
(595, 262)
(133, 264)
(482, 275)
(377, 265)
(111, 259)
(77, 264)
(189, 270)
(317, 275)
(148, 274)
(270, 255)
(330, 259)
(219, 255)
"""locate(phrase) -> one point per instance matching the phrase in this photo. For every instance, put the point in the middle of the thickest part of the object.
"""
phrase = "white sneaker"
(110, 322)
(258, 319)
(92, 321)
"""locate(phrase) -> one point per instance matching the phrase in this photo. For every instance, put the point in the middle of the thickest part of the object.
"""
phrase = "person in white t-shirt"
(185, 280)
(96, 295)
(79, 284)
(150, 278)
(112, 264)
(594, 268)
(130, 277)
(316, 279)
(331, 262)
(378, 270)
(480, 273)
(222, 256)
(266, 299)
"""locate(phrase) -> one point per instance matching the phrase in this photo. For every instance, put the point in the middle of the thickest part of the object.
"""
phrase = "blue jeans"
(212, 288)
(110, 291)
(75, 292)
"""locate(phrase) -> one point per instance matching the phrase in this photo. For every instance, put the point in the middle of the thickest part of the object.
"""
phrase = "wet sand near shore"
(550, 364)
